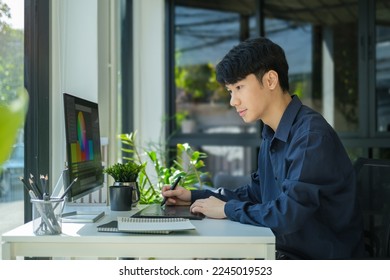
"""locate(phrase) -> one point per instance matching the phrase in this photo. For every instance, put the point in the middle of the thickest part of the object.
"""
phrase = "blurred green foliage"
(12, 114)
(198, 83)
(11, 62)
(13, 97)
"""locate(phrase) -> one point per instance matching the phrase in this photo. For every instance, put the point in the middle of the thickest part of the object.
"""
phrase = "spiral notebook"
(147, 225)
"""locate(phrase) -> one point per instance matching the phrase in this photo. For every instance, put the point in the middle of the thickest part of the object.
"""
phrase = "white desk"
(211, 239)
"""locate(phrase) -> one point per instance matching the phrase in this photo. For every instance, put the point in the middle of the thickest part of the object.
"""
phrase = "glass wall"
(320, 42)
(204, 31)
(336, 64)
(11, 86)
(202, 37)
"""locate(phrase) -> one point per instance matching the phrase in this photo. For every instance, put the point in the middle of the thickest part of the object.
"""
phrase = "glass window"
(320, 43)
(382, 48)
(204, 31)
(354, 153)
(202, 38)
(382, 153)
(11, 82)
(234, 160)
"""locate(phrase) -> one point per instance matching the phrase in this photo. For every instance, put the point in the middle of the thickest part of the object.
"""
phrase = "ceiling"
(322, 12)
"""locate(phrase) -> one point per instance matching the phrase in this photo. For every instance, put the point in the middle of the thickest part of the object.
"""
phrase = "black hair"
(253, 56)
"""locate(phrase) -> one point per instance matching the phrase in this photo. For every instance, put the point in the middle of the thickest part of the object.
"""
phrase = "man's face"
(250, 98)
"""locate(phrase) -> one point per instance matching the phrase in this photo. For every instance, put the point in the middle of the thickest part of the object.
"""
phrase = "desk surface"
(211, 239)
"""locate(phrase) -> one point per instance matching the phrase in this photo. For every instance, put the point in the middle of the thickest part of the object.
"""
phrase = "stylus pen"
(173, 186)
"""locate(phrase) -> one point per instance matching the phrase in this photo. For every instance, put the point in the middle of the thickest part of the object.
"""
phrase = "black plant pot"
(122, 194)
(121, 198)
(135, 196)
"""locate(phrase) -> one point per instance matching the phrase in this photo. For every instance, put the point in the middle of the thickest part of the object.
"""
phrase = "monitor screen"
(83, 151)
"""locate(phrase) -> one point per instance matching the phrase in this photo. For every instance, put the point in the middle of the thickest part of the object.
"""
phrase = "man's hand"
(211, 207)
(178, 196)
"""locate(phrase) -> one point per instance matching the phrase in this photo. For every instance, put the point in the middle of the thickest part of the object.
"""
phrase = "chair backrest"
(230, 181)
(373, 190)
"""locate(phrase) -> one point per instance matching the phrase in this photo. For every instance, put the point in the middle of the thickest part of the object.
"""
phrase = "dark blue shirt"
(304, 189)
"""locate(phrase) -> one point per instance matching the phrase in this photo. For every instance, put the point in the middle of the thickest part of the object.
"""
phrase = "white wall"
(108, 23)
(73, 65)
(78, 47)
(149, 69)
(84, 62)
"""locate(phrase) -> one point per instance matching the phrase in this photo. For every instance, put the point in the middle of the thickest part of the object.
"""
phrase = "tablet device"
(167, 211)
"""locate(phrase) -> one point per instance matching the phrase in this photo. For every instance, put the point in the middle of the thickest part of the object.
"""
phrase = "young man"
(304, 188)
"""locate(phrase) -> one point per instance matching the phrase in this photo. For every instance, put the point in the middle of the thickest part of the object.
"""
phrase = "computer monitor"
(83, 150)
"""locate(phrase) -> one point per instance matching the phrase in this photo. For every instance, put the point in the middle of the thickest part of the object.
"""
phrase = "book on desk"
(147, 225)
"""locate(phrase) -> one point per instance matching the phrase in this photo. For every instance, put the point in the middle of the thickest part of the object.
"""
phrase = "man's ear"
(271, 79)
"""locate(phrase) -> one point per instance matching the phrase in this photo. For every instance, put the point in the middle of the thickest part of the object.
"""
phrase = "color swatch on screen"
(83, 149)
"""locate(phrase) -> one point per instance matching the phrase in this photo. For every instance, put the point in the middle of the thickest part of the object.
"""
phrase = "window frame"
(36, 80)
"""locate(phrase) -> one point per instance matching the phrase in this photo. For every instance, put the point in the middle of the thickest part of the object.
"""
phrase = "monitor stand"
(82, 213)
(78, 212)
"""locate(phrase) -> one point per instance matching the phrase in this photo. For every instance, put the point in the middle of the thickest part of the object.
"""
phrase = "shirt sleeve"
(243, 193)
(316, 171)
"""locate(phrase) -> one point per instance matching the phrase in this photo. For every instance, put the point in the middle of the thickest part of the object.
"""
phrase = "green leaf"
(12, 115)
(124, 172)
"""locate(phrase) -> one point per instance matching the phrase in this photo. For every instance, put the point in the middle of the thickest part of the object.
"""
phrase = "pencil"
(35, 189)
(27, 187)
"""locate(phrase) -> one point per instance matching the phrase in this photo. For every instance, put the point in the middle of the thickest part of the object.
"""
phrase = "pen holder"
(47, 216)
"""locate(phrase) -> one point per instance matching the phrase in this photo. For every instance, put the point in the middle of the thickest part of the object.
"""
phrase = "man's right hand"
(178, 196)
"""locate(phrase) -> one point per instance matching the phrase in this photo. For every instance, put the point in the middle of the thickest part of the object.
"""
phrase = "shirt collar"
(286, 121)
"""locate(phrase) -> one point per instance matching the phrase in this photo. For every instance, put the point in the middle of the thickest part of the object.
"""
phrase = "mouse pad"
(167, 211)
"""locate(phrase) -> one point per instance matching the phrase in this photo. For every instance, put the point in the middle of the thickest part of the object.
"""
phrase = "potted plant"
(188, 164)
(124, 193)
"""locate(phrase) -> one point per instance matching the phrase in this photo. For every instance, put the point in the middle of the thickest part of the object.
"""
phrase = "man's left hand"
(211, 207)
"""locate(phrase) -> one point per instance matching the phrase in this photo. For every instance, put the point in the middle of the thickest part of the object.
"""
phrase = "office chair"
(229, 181)
(373, 191)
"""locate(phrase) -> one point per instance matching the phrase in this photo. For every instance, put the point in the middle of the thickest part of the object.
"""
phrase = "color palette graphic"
(83, 149)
